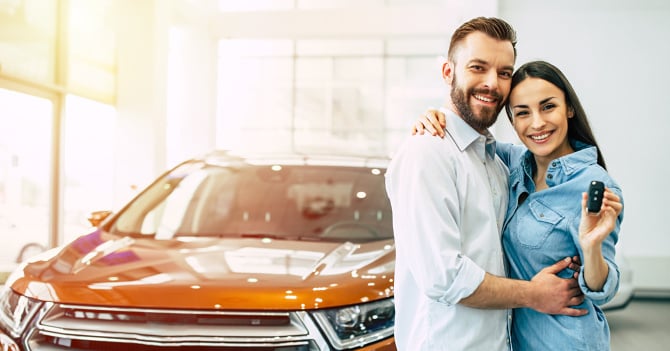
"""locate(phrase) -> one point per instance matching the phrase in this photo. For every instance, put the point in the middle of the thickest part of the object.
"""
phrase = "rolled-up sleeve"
(422, 188)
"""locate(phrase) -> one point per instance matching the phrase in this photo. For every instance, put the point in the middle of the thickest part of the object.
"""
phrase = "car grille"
(72, 327)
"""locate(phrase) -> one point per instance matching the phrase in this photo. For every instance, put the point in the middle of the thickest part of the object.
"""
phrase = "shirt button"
(553, 164)
(550, 176)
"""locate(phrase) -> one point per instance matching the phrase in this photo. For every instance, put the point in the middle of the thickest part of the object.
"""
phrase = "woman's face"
(540, 118)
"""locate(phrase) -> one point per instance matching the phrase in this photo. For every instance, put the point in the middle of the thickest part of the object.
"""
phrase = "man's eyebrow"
(484, 62)
(479, 61)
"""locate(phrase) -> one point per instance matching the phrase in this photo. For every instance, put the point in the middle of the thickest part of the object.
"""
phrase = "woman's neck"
(540, 176)
(542, 164)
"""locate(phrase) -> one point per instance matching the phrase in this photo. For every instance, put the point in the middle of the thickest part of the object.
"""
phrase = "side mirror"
(96, 217)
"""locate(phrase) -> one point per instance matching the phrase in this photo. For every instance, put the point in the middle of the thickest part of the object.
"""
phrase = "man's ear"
(448, 72)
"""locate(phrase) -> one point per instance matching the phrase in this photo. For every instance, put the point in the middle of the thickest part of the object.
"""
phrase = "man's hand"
(433, 121)
(554, 295)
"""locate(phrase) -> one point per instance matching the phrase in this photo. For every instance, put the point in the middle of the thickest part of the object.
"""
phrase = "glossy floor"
(643, 325)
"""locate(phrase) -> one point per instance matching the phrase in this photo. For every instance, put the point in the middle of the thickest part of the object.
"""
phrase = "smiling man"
(449, 198)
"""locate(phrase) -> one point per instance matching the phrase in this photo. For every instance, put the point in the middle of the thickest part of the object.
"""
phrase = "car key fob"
(595, 199)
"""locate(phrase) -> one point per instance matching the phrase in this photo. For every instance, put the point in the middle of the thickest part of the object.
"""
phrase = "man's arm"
(546, 292)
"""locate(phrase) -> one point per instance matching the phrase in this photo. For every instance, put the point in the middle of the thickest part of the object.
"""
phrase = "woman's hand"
(595, 227)
(433, 121)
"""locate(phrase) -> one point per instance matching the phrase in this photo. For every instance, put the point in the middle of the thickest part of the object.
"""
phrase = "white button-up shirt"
(449, 198)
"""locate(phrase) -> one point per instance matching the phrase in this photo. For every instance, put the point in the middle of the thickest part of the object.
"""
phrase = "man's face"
(480, 79)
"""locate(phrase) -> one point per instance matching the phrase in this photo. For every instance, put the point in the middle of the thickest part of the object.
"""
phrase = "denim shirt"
(542, 229)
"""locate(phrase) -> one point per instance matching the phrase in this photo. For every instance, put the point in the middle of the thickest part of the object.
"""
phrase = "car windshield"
(298, 202)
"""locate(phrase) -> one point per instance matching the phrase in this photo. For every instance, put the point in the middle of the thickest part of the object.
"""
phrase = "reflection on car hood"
(206, 273)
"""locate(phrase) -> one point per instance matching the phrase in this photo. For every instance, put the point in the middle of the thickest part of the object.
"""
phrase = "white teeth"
(540, 137)
(479, 97)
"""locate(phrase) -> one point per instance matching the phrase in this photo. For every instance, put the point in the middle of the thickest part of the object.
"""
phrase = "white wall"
(616, 54)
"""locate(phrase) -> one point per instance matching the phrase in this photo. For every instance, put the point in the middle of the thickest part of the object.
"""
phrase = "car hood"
(209, 273)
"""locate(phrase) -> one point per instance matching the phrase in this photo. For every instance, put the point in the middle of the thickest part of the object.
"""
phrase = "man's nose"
(491, 79)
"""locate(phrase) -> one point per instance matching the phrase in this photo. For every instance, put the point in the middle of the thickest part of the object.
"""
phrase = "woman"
(544, 221)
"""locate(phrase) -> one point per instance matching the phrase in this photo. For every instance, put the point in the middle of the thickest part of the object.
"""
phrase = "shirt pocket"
(539, 224)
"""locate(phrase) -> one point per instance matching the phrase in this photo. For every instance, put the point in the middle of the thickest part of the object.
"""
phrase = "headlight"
(358, 325)
(16, 310)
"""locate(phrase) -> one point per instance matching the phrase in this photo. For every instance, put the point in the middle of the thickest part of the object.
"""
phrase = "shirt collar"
(585, 155)
(464, 136)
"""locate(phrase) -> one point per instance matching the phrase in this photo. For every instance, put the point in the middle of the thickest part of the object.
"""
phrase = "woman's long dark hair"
(578, 125)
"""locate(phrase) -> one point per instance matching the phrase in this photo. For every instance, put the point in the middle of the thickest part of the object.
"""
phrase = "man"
(449, 198)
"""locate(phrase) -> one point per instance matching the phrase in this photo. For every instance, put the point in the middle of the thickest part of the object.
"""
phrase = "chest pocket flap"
(535, 227)
(543, 213)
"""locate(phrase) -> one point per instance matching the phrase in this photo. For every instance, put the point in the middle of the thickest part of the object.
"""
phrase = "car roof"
(225, 157)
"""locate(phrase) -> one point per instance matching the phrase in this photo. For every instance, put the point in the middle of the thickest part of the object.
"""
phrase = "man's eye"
(506, 74)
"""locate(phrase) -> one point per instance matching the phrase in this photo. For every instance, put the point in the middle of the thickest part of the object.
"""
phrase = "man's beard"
(487, 115)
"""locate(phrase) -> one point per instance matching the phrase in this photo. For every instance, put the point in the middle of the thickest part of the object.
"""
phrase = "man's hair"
(491, 26)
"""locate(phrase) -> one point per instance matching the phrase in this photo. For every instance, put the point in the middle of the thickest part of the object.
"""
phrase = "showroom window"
(88, 164)
(330, 95)
(57, 88)
(25, 167)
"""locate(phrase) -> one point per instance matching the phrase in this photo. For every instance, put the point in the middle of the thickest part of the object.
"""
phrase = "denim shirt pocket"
(541, 222)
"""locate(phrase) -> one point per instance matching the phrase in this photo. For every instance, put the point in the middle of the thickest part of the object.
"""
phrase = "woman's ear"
(571, 112)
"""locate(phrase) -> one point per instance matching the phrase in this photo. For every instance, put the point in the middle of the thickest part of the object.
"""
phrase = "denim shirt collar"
(464, 136)
(561, 168)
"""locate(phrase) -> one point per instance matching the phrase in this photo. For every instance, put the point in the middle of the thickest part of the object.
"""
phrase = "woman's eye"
(521, 114)
(548, 107)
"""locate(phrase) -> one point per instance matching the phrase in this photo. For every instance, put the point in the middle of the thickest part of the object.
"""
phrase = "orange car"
(223, 252)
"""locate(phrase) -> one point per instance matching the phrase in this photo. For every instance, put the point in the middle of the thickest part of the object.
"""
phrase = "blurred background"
(98, 97)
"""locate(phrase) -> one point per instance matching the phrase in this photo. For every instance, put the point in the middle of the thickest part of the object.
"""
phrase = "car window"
(333, 203)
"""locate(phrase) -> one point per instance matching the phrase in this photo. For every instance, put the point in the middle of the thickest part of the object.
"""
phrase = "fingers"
(417, 128)
(612, 200)
(428, 122)
(437, 119)
(584, 199)
(577, 260)
(573, 286)
(559, 266)
(577, 300)
(442, 118)
(574, 312)
(433, 122)
(575, 267)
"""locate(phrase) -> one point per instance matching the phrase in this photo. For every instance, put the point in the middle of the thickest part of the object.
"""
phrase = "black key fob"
(596, 193)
